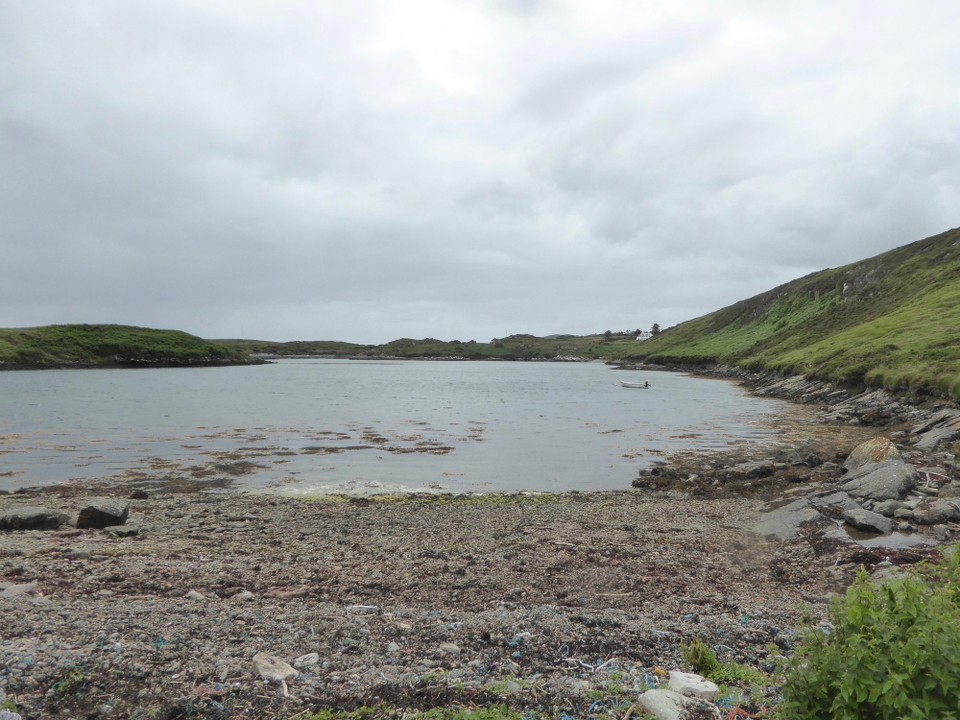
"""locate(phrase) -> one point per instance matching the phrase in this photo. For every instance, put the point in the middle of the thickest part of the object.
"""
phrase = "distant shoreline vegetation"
(892, 322)
(110, 346)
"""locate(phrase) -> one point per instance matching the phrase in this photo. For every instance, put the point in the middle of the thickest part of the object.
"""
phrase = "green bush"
(894, 651)
(699, 656)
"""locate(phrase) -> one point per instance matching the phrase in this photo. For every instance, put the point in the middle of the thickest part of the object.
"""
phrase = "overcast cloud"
(468, 169)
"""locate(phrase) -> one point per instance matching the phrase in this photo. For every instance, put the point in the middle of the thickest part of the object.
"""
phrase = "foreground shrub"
(894, 652)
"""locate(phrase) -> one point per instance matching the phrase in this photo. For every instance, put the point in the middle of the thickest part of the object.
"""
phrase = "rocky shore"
(156, 606)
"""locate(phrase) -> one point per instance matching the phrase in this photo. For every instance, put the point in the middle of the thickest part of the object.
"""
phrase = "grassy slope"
(108, 345)
(891, 321)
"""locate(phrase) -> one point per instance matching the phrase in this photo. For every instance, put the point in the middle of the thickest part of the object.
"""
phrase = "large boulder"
(888, 480)
(875, 450)
(103, 513)
(31, 518)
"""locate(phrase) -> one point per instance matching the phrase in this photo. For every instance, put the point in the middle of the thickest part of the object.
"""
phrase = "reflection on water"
(310, 425)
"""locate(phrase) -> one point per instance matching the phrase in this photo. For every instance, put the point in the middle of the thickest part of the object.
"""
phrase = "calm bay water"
(327, 426)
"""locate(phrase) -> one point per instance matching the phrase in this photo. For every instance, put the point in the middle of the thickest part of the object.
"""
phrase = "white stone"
(273, 668)
(692, 685)
(194, 595)
(663, 704)
(450, 649)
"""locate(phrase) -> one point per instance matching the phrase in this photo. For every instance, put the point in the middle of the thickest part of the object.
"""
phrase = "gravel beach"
(411, 601)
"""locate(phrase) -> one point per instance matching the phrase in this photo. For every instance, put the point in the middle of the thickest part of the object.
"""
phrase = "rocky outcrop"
(941, 427)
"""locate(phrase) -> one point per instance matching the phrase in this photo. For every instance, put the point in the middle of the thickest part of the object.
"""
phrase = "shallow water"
(355, 426)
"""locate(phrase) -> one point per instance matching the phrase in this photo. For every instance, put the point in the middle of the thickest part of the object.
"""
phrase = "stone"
(939, 435)
(691, 685)
(31, 518)
(784, 522)
(868, 520)
(244, 595)
(393, 648)
(450, 649)
(888, 507)
(935, 512)
(665, 704)
(194, 595)
(876, 450)
(139, 494)
(950, 490)
(120, 531)
(888, 480)
(17, 590)
(270, 667)
(103, 513)
(308, 660)
(762, 468)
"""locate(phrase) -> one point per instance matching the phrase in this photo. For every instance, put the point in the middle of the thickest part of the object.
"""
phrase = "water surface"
(305, 426)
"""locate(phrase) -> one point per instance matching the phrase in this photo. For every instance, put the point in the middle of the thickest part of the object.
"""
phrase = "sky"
(469, 169)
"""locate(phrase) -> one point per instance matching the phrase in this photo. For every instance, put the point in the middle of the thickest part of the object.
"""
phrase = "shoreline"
(533, 601)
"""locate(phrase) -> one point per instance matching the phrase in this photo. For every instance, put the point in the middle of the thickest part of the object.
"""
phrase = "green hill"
(109, 346)
(892, 321)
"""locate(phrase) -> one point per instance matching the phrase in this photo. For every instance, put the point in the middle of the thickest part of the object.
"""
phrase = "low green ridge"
(514, 347)
(892, 321)
(109, 346)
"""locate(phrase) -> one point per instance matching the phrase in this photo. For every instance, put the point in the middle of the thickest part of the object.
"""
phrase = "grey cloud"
(344, 170)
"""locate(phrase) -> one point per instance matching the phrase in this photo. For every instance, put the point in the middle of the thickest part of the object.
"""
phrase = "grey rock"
(888, 480)
(936, 512)
(103, 513)
(833, 499)
(31, 518)
(17, 590)
(123, 531)
(194, 595)
(308, 660)
(868, 520)
(950, 490)
(931, 438)
(887, 507)
(784, 522)
(762, 468)
(903, 513)
(450, 649)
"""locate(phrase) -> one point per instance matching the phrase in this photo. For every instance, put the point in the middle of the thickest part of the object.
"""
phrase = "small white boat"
(641, 386)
